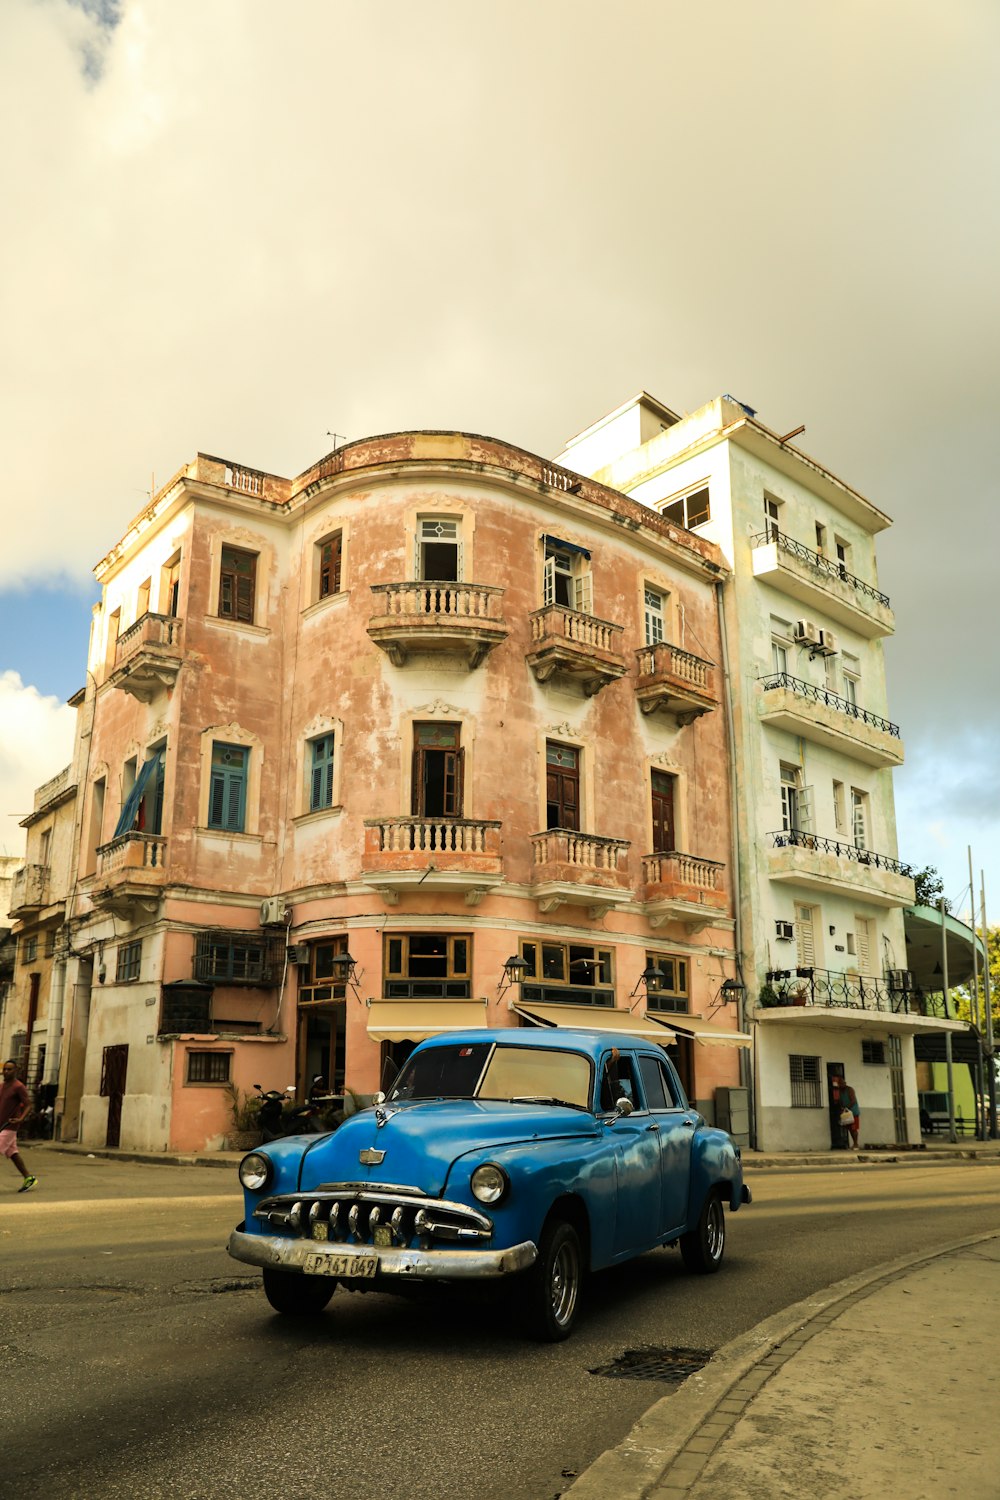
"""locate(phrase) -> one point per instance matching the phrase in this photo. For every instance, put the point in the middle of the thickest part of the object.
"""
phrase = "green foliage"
(930, 888)
(244, 1108)
(961, 996)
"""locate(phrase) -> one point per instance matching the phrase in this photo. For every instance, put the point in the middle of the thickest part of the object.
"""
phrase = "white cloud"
(36, 741)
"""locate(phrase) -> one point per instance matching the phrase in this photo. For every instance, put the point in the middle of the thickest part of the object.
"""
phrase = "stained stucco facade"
(352, 741)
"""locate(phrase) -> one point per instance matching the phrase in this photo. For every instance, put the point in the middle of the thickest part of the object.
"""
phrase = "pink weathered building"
(352, 741)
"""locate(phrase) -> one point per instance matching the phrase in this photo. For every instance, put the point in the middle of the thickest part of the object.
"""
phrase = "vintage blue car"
(533, 1155)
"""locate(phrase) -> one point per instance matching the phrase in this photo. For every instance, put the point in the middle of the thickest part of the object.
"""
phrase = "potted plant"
(768, 996)
(244, 1108)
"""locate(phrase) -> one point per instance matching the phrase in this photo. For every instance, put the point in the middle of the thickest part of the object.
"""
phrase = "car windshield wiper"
(544, 1099)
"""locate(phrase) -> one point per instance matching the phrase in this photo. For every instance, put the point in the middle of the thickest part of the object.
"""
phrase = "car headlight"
(490, 1183)
(255, 1171)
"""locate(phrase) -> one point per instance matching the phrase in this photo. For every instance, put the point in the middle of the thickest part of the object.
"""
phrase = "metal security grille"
(670, 1365)
(804, 1078)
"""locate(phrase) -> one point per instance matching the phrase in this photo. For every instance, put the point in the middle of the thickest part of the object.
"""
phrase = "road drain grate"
(671, 1365)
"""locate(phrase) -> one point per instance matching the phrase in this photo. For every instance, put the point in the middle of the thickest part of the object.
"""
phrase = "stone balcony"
(131, 874)
(834, 866)
(683, 888)
(579, 869)
(815, 714)
(674, 681)
(457, 619)
(29, 890)
(406, 856)
(148, 656)
(822, 583)
(569, 644)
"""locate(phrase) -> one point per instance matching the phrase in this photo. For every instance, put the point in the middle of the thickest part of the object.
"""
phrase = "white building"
(821, 888)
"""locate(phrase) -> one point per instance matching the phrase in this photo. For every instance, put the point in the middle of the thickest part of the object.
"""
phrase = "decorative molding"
(438, 707)
(565, 729)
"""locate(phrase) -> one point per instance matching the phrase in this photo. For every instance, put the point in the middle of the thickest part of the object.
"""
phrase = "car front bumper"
(281, 1253)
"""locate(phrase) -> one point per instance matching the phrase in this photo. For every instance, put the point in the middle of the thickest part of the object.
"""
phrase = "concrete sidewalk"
(885, 1386)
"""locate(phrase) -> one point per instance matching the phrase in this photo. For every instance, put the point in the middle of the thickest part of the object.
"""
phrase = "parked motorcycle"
(279, 1117)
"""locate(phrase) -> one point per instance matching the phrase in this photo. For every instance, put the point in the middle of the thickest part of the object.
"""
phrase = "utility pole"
(952, 1135)
(980, 1095)
(988, 1006)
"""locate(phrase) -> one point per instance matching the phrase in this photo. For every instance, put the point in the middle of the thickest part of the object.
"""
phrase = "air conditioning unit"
(784, 931)
(900, 979)
(273, 912)
(298, 953)
(806, 633)
(828, 643)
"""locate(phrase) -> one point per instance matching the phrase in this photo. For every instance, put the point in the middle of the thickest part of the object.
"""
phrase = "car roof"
(555, 1038)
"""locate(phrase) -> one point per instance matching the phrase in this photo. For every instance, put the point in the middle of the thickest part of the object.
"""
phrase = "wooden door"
(113, 1073)
(664, 834)
(562, 787)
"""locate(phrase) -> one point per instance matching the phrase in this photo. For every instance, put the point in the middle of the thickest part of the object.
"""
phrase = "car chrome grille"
(355, 1215)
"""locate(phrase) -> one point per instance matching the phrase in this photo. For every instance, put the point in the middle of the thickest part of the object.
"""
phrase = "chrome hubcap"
(563, 1284)
(715, 1230)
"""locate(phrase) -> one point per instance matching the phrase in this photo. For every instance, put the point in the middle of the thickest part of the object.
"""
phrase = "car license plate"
(344, 1266)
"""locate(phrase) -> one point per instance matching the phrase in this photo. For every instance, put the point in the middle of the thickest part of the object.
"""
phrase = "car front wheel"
(704, 1247)
(297, 1295)
(553, 1292)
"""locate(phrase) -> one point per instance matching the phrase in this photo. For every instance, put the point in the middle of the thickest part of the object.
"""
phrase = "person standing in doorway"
(14, 1107)
(849, 1101)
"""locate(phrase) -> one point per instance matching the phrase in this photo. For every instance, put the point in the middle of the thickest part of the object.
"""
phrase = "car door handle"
(652, 1127)
(688, 1123)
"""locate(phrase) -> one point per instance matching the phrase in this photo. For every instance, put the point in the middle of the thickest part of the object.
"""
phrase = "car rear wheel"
(704, 1247)
(553, 1292)
(296, 1295)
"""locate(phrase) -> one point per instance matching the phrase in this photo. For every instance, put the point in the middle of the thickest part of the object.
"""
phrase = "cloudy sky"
(239, 226)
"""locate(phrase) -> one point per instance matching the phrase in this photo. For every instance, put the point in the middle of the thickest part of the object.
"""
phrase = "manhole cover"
(671, 1365)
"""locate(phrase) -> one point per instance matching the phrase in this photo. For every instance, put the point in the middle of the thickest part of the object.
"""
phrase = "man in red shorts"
(14, 1107)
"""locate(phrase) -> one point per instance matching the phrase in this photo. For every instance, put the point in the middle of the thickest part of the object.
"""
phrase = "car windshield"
(484, 1071)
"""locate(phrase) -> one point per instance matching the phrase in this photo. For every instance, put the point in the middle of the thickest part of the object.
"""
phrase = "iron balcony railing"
(816, 694)
(797, 838)
(895, 991)
(828, 566)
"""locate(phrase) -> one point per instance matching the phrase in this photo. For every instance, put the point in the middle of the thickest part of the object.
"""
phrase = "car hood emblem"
(369, 1157)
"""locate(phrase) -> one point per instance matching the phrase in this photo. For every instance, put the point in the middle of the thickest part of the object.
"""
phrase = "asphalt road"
(139, 1361)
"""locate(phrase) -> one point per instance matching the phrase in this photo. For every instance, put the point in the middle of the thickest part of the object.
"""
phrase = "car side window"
(618, 1081)
(654, 1083)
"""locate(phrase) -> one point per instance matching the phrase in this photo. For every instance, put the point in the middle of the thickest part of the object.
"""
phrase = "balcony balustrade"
(895, 992)
(579, 869)
(833, 865)
(148, 656)
(821, 581)
(460, 619)
(410, 855)
(29, 890)
(579, 646)
(131, 873)
(825, 718)
(674, 681)
(683, 888)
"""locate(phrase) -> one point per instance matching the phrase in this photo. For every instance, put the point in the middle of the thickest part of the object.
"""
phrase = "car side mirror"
(623, 1106)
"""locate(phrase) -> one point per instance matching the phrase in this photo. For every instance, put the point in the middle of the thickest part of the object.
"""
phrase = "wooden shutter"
(805, 938)
(584, 593)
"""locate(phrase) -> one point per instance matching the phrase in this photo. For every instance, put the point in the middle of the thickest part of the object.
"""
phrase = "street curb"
(150, 1158)
(630, 1470)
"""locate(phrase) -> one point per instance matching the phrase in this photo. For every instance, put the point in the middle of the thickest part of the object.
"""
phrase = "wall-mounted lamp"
(650, 975)
(514, 971)
(731, 989)
(344, 969)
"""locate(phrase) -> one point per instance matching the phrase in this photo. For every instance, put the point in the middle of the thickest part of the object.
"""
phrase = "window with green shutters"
(228, 793)
(321, 773)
